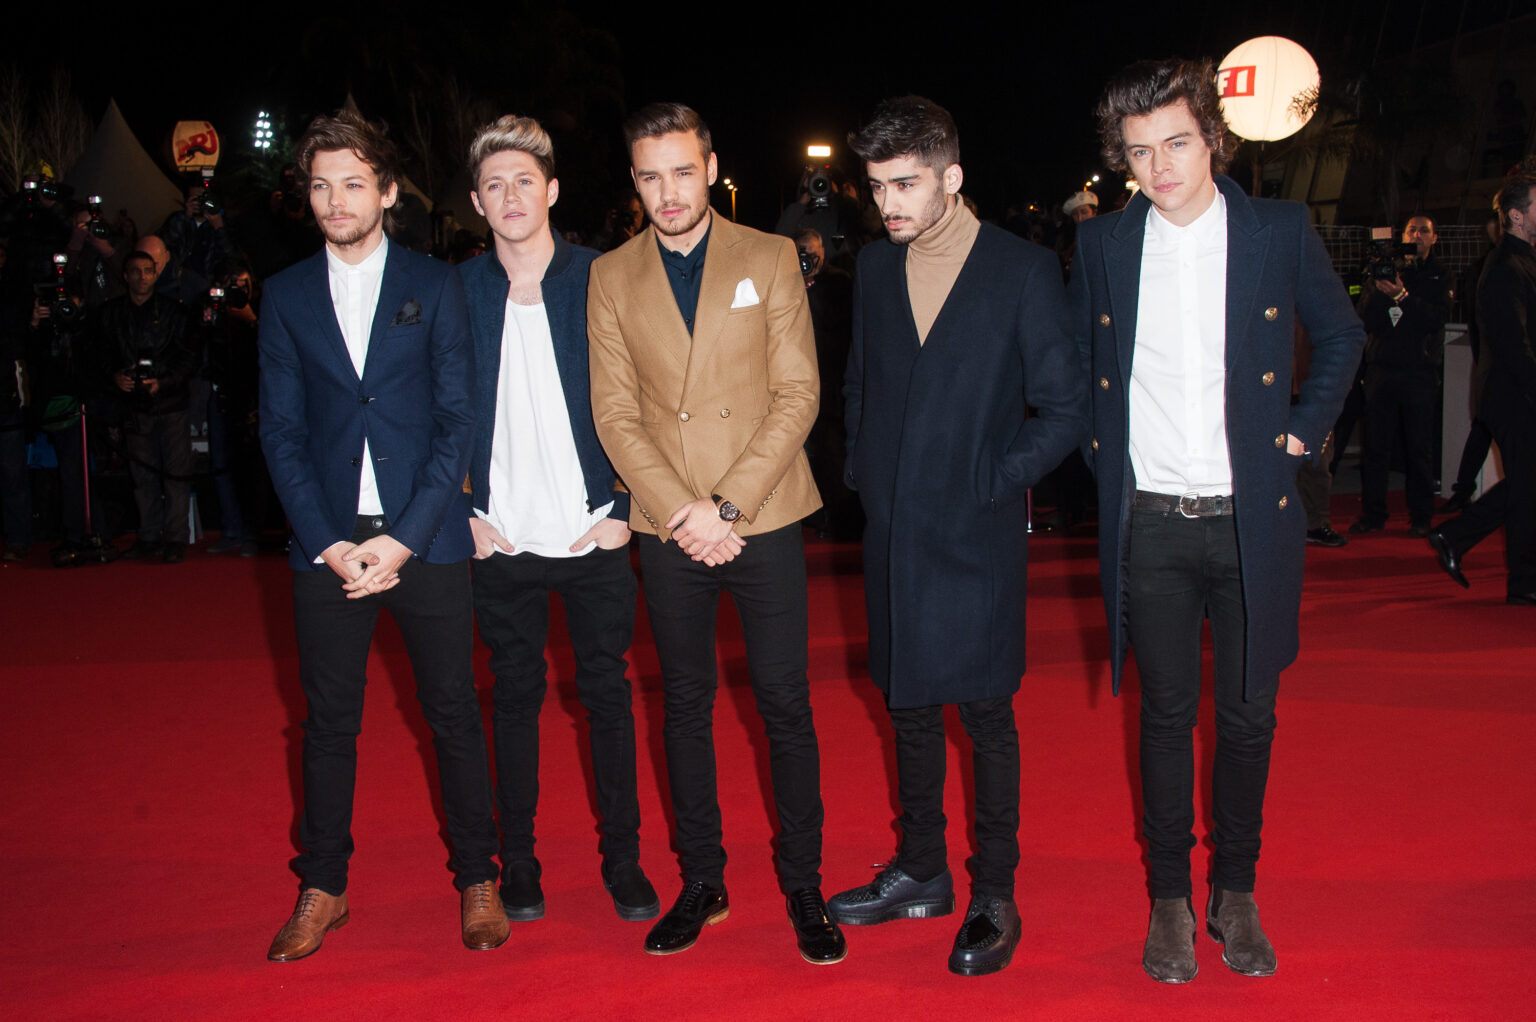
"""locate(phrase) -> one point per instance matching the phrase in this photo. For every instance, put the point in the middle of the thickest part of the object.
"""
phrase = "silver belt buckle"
(1192, 499)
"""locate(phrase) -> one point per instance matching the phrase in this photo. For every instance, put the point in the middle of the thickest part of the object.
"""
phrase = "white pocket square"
(746, 295)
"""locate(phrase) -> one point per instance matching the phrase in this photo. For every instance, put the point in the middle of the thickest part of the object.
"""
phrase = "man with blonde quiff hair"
(547, 513)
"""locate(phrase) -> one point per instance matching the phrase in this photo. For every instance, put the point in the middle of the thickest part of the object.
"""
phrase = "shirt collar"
(695, 255)
(1207, 228)
(373, 264)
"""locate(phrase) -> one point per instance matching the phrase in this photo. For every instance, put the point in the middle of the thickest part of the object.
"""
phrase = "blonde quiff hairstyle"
(512, 134)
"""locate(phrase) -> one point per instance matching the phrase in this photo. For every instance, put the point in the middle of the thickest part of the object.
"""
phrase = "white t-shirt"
(538, 498)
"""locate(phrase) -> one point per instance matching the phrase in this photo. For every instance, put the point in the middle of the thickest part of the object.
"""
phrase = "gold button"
(1283, 502)
(1103, 319)
(725, 413)
(1103, 383)
(1095, 443)
(683, 416)
(1270, 313)
(1280, 440)
(1269, 378)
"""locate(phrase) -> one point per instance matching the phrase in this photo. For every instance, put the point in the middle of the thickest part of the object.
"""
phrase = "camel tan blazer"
(725, 411)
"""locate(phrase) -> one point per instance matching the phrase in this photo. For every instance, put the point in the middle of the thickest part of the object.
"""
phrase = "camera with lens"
(1386, 257)
(208, 203)
(809, 263)
(97, 226)
(221, 299)
(45, 188)
(54, 293)
(818, 185)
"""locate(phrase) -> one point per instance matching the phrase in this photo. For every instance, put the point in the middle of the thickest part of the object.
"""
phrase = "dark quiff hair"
(348, 130)
(1150, 85)
(908, 126)
(1516, 194)
(656, 119)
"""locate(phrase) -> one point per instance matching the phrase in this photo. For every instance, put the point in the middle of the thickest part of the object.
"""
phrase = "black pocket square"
(409, 314)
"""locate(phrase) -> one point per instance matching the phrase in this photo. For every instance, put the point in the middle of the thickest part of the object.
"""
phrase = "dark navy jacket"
(412, 404)
(565, 303)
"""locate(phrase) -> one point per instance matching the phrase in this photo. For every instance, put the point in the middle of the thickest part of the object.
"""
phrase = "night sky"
(768, 79)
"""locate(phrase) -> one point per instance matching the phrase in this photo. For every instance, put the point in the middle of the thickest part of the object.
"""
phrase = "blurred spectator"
(228, 329)
(829, 290)
(822, 205)
(625, 219)
(200, 249)
(1404, 319)
(143, 337)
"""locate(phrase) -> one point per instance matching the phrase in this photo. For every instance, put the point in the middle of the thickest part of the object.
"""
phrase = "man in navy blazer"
(1185, 305)
(547, 513)
(366, 421)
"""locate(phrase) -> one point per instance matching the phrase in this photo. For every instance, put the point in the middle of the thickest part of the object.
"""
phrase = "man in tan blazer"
(704, 387)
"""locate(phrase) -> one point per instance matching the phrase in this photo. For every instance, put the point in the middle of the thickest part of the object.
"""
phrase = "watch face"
(729, 512)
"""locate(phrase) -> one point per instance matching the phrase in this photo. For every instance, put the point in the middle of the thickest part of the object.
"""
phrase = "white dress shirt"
(538, 497)
(1178, 420)
(355, 295)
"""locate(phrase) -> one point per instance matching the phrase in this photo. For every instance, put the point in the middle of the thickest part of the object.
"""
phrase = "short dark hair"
(656, 119)
(908, 126)
(349, 130)
(1150, 85)
(1516, 194)
(136, 254)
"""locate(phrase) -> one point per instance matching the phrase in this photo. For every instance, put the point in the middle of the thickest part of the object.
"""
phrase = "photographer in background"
(143, 338)
(822, 206)
(201, 250)
(1403, 307)
(228, 332)
(829, 290)
(95, 256)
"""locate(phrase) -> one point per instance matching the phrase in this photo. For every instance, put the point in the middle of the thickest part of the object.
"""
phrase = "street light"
(732, 189)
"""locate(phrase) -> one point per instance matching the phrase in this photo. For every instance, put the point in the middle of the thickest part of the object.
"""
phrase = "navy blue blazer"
(412, 404)
(565, 303)
(1277, 273)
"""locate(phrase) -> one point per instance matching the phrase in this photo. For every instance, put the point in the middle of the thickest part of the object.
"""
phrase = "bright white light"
(818, 151)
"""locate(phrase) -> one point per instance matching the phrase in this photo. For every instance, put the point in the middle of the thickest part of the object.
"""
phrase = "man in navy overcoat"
(1185, 305)
(957, 326)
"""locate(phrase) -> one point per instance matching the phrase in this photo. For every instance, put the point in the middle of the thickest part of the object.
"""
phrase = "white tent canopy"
(116, 167)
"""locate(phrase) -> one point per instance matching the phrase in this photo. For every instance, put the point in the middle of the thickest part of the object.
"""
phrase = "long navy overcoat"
(942, 454)
(1277, 272)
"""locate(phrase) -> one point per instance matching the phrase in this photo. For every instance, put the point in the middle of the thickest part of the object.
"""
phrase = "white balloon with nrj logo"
(1260, 82)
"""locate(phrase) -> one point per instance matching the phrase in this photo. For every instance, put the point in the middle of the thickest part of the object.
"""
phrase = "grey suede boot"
(1169, 956)
(1232, 918)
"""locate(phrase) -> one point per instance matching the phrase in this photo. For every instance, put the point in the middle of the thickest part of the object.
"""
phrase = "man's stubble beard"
(931, 215)
(352, 235)
(678, 227)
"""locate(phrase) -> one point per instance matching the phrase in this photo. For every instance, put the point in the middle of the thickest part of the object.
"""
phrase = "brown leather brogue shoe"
(1233, 921)
(484, 917)
(1169, 956)
(316, 914)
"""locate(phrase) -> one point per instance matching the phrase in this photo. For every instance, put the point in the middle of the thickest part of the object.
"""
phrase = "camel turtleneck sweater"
(934, 260)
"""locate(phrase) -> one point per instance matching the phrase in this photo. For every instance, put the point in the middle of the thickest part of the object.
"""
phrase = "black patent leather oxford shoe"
(698, 906)
(821, 942)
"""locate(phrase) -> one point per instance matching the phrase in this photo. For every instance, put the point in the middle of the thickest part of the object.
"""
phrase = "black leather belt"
(1189, 505)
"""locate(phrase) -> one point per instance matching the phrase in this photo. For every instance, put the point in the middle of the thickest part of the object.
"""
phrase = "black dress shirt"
(684, 273)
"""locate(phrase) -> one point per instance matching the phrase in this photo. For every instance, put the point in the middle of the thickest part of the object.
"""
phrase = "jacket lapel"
(659, 306)
(723, 270)
(1247, 247)
(393, 293)
(317, 287)
(1122, 264)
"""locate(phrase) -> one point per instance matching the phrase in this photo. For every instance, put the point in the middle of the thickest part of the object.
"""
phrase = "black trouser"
(160, 461)
(1397, 401)
(767, 583)
(598, 592)
(432, 607)
(1511, 503)
(920, 761)
(15, 486)
(1180, 571)
(1314, 481)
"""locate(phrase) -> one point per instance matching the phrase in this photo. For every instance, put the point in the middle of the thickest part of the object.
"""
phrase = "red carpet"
(150, 746)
